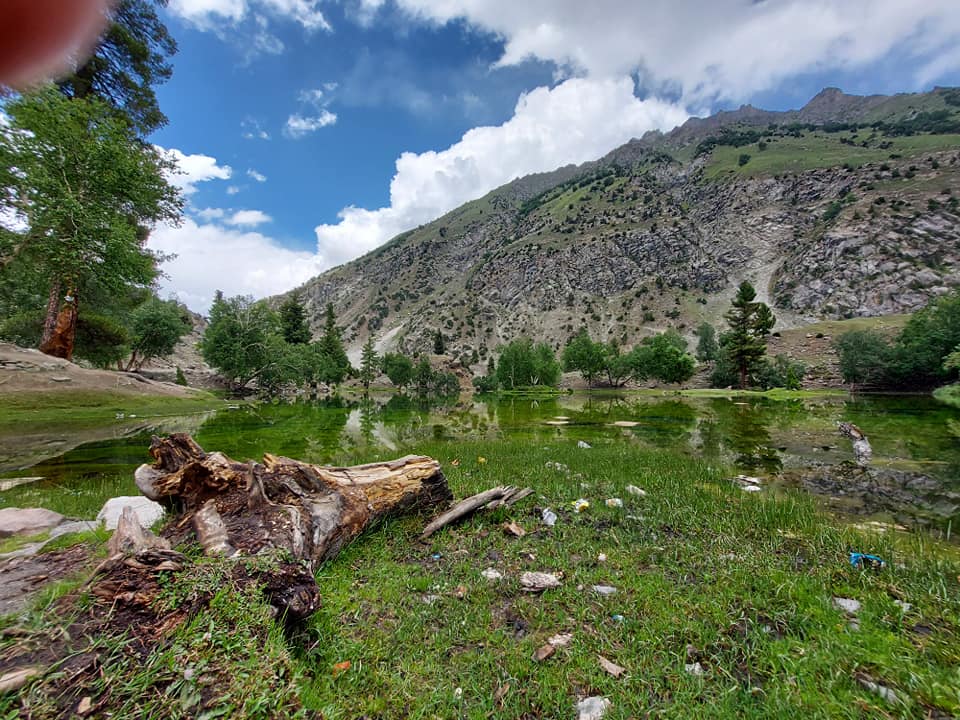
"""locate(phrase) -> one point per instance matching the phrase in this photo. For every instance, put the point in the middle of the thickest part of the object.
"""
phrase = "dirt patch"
(21, 577)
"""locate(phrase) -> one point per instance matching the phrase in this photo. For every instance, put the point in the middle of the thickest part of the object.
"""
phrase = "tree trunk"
(302, 513)
(61, 341)
(53, 307)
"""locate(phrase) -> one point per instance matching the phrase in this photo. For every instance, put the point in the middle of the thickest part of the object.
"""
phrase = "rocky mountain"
(843, 208)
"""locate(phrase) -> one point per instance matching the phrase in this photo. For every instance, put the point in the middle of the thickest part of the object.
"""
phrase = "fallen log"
(302, 513)
(487, 500)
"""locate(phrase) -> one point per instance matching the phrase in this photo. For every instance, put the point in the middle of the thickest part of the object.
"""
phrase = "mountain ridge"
(842, 208)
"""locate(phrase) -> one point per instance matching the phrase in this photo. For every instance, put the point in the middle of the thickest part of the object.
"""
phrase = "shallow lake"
(755, 436)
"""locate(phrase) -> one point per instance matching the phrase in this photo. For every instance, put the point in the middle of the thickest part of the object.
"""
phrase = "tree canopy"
(750, 322)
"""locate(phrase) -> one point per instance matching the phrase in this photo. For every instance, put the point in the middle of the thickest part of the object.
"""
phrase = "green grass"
(93, 407)
(742, 583)
(949, 394)
(817, 150)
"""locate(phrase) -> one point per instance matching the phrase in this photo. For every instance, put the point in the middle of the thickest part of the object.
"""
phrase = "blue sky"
(311, 131)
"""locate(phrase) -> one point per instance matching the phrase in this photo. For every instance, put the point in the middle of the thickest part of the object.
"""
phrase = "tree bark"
(53, 307)
(61, 341)
(302, 513)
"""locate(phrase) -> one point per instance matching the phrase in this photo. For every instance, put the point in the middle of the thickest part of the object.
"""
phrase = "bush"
(743, 159)
(865, 357)
(781, 372)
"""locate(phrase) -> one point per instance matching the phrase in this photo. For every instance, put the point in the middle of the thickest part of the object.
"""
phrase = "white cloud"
(233, 190)
(248, 218)
(299, 125)
(579, 120)
(210, 213)
(252, 130)
(210, 257)
(213, 14)
(722, 48)
(254, 175)
(195, 169)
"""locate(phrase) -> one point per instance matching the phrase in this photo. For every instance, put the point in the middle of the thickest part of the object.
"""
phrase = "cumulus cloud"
(194, 169)
(248, 218)
(233, 190)
(298, 125)
(210, 14)
(720, 49)
(253, 130)
(579, 120)
(210, 213)
(210, 257)
(254, 175)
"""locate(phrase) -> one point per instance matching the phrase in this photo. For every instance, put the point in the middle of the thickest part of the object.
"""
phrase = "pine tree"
(369, 364)
(439, 345)
(750, 322)
(293, 322)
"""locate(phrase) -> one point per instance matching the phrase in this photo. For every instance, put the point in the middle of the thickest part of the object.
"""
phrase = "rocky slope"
(844, 208)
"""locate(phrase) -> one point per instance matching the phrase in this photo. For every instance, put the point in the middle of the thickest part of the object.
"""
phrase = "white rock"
(848, 605)
(751, 488)
(146, 510)
(604, 589)
(561, 639)
(492, 574)
(904, 606)
(592, 708)
(602, 558)
(539, 581)
(27, 521)
(634, 490)
(583, 445)
(694, 669)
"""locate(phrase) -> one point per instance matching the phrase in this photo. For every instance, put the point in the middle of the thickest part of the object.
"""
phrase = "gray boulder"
(146, 510)
(27, 521)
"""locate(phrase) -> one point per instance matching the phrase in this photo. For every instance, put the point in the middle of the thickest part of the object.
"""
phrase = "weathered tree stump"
(862, 451)
(300, 513)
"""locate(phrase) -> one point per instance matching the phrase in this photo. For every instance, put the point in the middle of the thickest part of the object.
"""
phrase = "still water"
(755, 436)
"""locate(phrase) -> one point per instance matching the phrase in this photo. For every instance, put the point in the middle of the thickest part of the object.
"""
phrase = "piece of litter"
(579, 505)
(862, 560)
(341, 667)
(602, 558)
(436, 556)
(458, 693)
(481, 460)
(561, 639)
(430, 599)
(539, 581)
(848, 605)
(618, 618)
(694, 669)
(614, 502)
(592, 708)
(604, 589)
(583, 445)
(634, 490)
(751, 488)
(611, 667)
(549, 517)
(514, 529)
(544, 652)
(886, 693)
(501, 692)
(492, 574)
(904, 606)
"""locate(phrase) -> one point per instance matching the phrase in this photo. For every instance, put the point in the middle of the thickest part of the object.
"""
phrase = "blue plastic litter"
(437, 556)
(862, 560)
(617, 618)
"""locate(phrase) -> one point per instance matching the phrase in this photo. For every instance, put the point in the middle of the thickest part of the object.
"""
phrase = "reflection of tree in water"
(664, 424)
(744, 426)
(369, 412)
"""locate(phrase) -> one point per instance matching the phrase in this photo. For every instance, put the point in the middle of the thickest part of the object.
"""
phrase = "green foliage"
(235, 342)
(750, 322)
(293, 322)
(780, 372)
(439, 345)
(585, 356)
(617, 366)
(523, 364)
(131, 56)
(743, 159)
(156, 326)
(88, 190)
(707, 347)
(336, 365)
(100, 340)
(369, 364)
(662, 357)
(398, 368)
(181, 378)
(865, 357)
(430, 383)
(833, 209)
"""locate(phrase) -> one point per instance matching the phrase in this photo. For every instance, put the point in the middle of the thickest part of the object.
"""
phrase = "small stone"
(583, 445)
(514, 529)
(147, 511)
(593, 708)
(27, 521)
(848, 605)
(561, 639)
(60, 378)
(695, 669)
(539, 581)
(886, 693)
(458, 693)
(492, 574)
(602, 558)
(634, 490)
(604, 589)
(84, 706)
